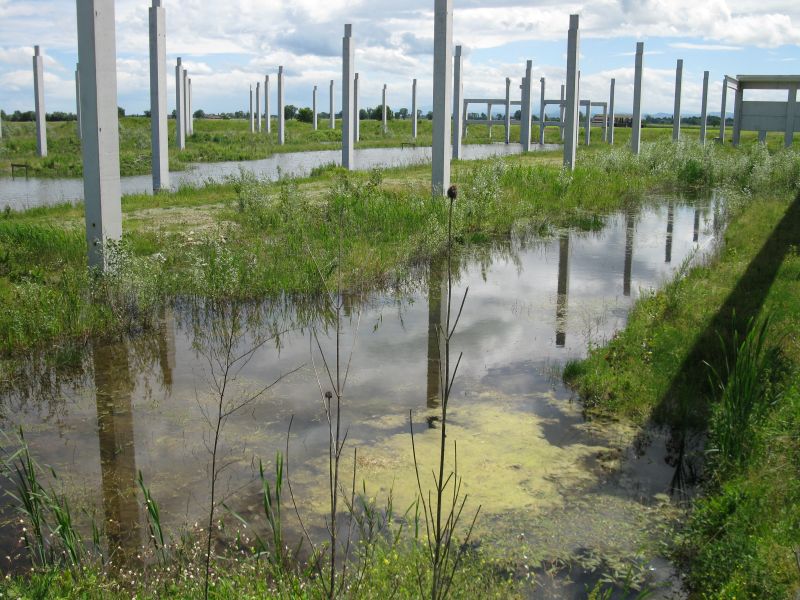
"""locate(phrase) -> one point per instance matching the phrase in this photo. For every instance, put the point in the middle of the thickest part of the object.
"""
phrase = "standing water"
(558, 493)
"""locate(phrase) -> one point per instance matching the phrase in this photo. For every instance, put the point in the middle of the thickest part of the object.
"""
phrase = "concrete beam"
(458, 109)
(676, 112)
(526, 109)
(442, 95)
(333, 106)
(38, 97)
(704, 110)
(100, 148)
(636, 133)
(267, 117)
(611, 97)
(414, 109)
(158, 97)
(571, 99)
(281, 112)
(348, 94)
(180, 129)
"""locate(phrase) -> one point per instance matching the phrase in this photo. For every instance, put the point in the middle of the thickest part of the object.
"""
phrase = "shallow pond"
(555, 489)
(23, 193)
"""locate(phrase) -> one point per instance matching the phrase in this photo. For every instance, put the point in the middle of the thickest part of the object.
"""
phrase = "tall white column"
(252, 113)
(348, 92)
(526, 110)
(186, 103)
(489, 115)
(542, 114)
(267, 118)
(636, 133)
(737, 115)
(180, 128)
(723, 110)
(77, 100)
(561, 113)
(384, 124)
(314, 108)
(258, 105)
(458, 102)
(158, 97)
(414, 109)
(611, 95)
(508, 110)
(676, 112)
(791, 111)
(281, 112)
(38, 96)
(189, 110)
(100, 148)
(356, 110)
(333, 106)
(587, 124)
(704, 110)
(442, 95)
(571, 99)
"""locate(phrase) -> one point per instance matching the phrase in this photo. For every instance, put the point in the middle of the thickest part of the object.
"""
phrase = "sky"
(227, 46)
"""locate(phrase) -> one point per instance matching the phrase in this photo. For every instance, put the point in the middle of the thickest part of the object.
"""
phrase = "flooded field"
(568, 498)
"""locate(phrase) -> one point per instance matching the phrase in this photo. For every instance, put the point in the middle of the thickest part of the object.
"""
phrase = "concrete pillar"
(561, 112)
(356, 111)
(737, 115)
(442, 95)
(762, 136)
(77, 100)
(571, 99)
(723, 110)
(791, 111)
(267, 118)
(281, 114)
(190, 111)
(102, 191)
(542, 114)
(180, 129)
(258, 105)
(526, 109)
(458, 102)
(414, 109)
(508, 110)
(314, 120)
(384, 125)
(611, 115)
(158, 97)
(489, 115)
(587, 127)
(333, 107)
(636, 133)
(186, 117)
(704, 110)
(676, 112)
(38, 97)
(348, 92)
(252, 113)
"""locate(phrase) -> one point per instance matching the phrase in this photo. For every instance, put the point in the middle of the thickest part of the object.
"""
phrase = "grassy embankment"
(743, 537)
(231, 140)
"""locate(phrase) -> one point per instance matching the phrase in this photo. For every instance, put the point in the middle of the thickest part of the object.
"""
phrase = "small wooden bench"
(18, 166)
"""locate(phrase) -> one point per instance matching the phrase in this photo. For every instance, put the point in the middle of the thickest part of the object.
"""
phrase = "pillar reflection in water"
(563, 290)
(670, 223)
(630, 229)
(113, 390)
(696, 235)
(166, 347)
(437, 322)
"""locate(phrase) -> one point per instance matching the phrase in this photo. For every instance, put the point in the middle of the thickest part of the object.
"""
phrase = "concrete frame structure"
(442, 95)
(571, 98)
(38, 98)
(158, 97)
(508, 110)
(611, 97)
(348, 93)
(180, 129)
(77, 102)
(384, 123)
(281, 113)
(764, 116)
(544, 102)
(267, 117)
(587, 123)
(676, 112)
(414, 109)
(356, 111)
(258, 105)
(727, 82)
(526, 109)
(333, 106)
(458, 97)
(252, 112)
(98, 74)
(704, 110)
(636, 133)
(314, 120)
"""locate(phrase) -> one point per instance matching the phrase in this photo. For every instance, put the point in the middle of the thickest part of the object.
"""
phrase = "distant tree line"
(29, 115)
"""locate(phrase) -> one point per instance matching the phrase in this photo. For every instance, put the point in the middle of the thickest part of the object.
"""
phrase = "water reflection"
(166, 347)
(113, 388)
(562, 299)
(696, 235)
(437, 322)
(670, 225)
(630, 229)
